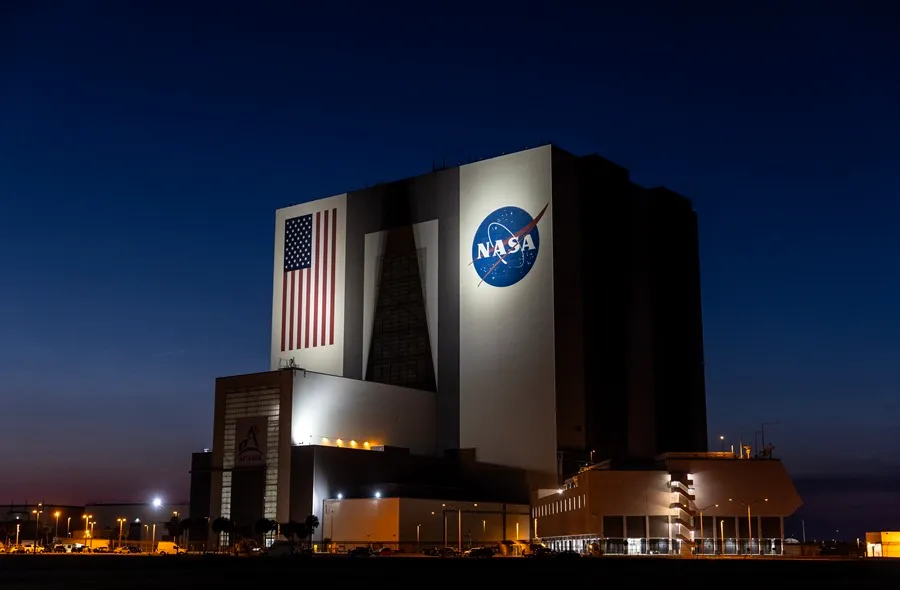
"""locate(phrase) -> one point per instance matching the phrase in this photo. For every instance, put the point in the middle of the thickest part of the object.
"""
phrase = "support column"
(669, 521)
(759, 549)
(646, 533)
(781, 532)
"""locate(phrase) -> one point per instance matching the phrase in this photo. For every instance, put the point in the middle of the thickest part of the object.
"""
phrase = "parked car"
(361, 552)
(280, 549)
(479, 552)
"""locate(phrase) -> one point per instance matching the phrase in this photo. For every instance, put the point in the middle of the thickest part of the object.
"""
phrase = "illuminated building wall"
(549, 305)
(649, 508)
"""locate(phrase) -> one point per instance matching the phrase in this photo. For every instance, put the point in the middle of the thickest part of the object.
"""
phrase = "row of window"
(563, 505)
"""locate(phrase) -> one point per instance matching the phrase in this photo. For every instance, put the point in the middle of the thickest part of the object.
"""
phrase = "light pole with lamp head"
(458, 525)
(702, 542)
(56, 531)
(121, 522)
(37, 524)
(68, 522)
(87, 527)
(749, 505)
(722, 440)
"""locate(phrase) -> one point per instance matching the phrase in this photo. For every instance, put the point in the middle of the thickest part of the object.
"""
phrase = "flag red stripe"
(283, 307)
(315, 302)
(333, 260)
(324, 276)
(290, 277)
(308, 304)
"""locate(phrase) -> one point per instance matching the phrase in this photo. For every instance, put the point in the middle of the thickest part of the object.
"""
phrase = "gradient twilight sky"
(144, 147)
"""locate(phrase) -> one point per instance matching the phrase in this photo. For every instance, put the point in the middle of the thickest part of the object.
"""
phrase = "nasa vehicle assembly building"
(485, 329)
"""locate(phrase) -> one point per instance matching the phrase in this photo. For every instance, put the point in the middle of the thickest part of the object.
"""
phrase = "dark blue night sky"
(144, 147)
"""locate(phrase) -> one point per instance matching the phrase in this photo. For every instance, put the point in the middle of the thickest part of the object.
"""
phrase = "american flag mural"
(308, 288)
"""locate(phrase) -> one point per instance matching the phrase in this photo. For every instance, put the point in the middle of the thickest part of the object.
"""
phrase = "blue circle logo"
(506, 246)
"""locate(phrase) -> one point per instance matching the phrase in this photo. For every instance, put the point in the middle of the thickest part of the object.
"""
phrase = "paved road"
(136, 572)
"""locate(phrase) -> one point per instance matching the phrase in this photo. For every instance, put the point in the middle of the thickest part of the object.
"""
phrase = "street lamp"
(749, 521)
(702, 543)
(37, 525)
(418, 528)
(722, 440)
(56, 532)
(121, 522)
(458, 525)
(68, 522)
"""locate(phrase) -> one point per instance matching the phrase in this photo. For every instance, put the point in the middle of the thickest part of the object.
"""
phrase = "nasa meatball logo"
(506, 246)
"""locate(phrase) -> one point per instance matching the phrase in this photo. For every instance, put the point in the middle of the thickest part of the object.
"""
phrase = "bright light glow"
(157, 502)
(340, 442)
(324, 440)
(340, 496)
(559, 491)
(377, 494)
(353, 443)
(366, 444)
(475, 505)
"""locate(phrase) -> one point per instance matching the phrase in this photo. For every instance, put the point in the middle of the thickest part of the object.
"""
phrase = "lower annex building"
(472, 334)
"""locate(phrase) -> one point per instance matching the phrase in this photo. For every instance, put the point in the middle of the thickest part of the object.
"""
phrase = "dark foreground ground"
(102, 572)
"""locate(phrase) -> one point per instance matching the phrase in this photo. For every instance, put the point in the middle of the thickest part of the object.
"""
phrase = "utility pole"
(762, 430)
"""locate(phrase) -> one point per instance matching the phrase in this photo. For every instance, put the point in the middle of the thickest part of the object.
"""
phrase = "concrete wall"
(327, 407)
(414, 201)
(371, 521)
(748, 480)
(609, 493)
(507, 364)
(395, 522)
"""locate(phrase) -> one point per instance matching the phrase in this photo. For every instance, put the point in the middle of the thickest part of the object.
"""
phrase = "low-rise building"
(705, 503)
(412, 525)
(883, 544)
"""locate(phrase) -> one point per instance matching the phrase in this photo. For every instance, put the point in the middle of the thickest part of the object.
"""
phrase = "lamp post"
(702, 543)
(418, 528)
(37, 525)
(68, 522)
(18, 528)
(722, 534)
(722, 440)
(87, 525)
(458, 525)
(56, 530)
(121, 522)
(749, 505)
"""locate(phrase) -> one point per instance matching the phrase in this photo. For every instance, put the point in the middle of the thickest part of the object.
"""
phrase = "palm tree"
(264, 526)
(184, 528)
(200, 529)
(172, 528)
(222, 525)
(311, 523)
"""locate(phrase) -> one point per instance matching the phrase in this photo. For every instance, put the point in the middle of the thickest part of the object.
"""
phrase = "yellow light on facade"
(324, 440)
(353, 443)
(340, 442)
(366, 444)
